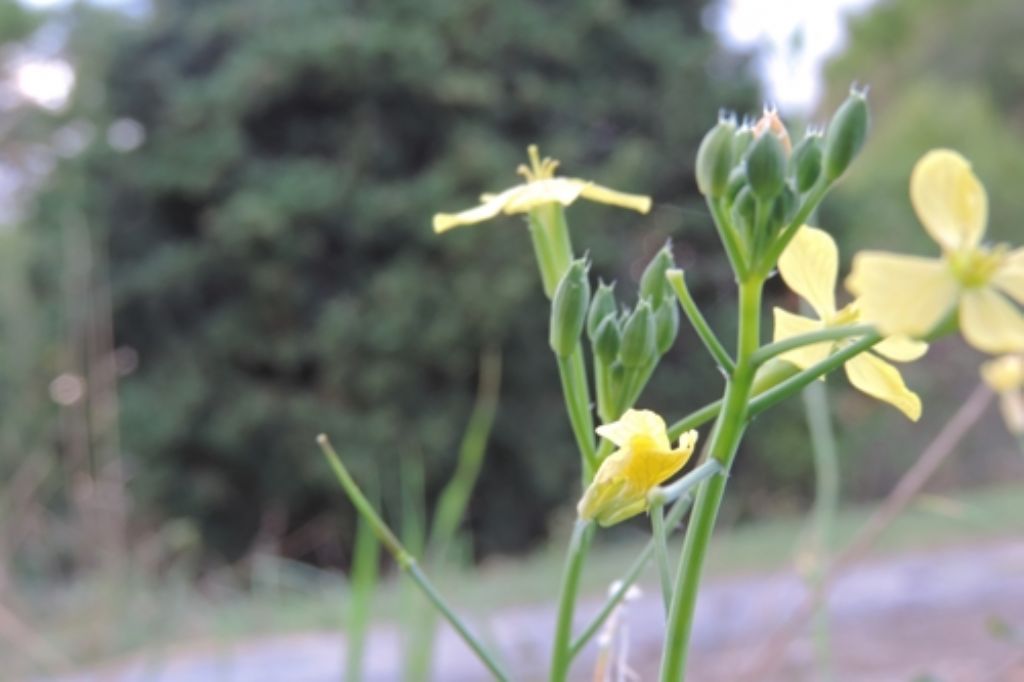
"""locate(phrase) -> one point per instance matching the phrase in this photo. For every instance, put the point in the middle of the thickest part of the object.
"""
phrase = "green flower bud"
(845, 135)
(652, 284)
(766, 166)
(742, 140)
(714, 159)
(666, 325)
(744, 210)
(806, 162)
(783, 207)
(569, 308)
(601, 307)
(638, 345)
(606, 340)
(737, 181)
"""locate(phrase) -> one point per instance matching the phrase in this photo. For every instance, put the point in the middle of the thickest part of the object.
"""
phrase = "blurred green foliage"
(270, 252)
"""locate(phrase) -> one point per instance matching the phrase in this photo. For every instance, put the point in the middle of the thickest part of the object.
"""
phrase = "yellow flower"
(911, 295)
(810, 266)
(1005, 376)
(541, 187)
(644, 459)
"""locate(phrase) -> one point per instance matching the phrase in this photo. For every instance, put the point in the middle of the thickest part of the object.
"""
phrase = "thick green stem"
(697, 321)
(725, 439)
(577, 403)
(661, 552)
(561, 658)
(826, 507)
(405, 560)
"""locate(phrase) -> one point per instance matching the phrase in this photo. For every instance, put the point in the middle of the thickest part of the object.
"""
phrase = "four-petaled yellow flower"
(644, 459)
(810, 267)
(1005, 376)
(541, 187)
(911, 295)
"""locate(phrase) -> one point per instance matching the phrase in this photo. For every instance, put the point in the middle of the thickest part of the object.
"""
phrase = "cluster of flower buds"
(762, 182)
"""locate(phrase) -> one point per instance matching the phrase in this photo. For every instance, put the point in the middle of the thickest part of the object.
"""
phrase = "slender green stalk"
(724, 442)
(365, 558)
(814, 197)
(402, 557)
(695, 419)
(685, 484)
(561, 657)
(675, 515)
(698, 322)
(728, 235)
(577, 403)
(771, 350)
(605, 393)
(545, 259)
(633, 387)
(790, 386)
(826, 508)
(657, 513)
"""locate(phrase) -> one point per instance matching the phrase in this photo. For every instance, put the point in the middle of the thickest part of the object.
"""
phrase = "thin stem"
(661, 551)
(561, 658)
(695, 419)
(790, 386)
(685, 484)
(723, 444)
(402, 557)
(678, 281)
(577, 403)
(545, 259)
(771, 350)
(728, 235)
(675, 515)
(605, 394)
(362, 584)
(814, 197)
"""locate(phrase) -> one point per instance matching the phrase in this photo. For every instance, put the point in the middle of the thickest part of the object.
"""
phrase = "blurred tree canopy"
(269, 244)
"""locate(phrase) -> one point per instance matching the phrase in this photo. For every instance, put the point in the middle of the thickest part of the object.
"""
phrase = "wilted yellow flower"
(1005, 376)
(911, 295)
(810, 267)
(541, 187)
(644, 459)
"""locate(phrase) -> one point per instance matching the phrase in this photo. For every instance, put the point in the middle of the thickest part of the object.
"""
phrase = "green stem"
(361, 587)
(790, 386)
(695, 419)
(771, 350)
(577, 403)
(814, 197)
(698, 322)
(402, 557)
(657, 512)
(724, 442)
(675, 515)
(561, 658)
(728, 235)
(636, 381)
(545, 259)
(685, 484)
(826, 507)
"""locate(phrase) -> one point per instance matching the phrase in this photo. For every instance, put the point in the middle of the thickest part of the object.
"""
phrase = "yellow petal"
(788, 325)
(901, 348)
(877, 378)
(493, 205)
(604, 195)
(810, 266)
(949, 200)
(563, 191)
(1010, 276)
(902, 294)
(991, 323)
(1005, 373)
(636, 423)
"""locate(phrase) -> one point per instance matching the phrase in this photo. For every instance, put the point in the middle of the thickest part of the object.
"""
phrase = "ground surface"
(896, 618)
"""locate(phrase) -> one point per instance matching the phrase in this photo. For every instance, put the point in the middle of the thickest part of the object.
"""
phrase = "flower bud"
(714, 159)
(806, 162)
(638, 345)
(737, 181)
(742, 140)
(783, 207)
(652, 283)
(606, 340)
(601, 307)
(845, 135)
(766, 167)
(666, 325)
(744, 210)
(569, 308)
(771, 123)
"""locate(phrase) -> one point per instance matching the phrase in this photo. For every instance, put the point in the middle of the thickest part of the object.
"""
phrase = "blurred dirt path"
(892, 619)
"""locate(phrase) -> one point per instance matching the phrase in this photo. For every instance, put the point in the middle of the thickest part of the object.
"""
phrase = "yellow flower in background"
(1005, 376)
(911, 295)
(645, 458)
(810, 268)
(541, 187)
